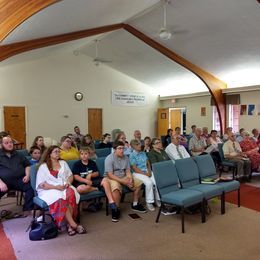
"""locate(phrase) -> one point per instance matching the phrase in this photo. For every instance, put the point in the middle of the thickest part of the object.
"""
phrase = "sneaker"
(139, 208)
(150, 206)
(169, 211)
(115, 215)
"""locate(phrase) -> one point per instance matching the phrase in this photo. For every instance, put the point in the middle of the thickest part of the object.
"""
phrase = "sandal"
(5, 213)
(80, 229)
(71, 231)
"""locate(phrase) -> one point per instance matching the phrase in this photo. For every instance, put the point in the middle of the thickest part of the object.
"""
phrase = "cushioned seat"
(207, 169)
(167, 183)
(189, 177)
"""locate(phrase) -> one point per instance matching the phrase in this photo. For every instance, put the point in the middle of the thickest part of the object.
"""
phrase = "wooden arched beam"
(10, 50)
(214, 85)
(14, 12)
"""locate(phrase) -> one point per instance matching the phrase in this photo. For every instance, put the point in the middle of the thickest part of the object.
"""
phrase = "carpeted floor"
(234, 235)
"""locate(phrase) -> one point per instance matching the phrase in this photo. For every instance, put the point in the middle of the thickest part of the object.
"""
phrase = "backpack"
(43, 230)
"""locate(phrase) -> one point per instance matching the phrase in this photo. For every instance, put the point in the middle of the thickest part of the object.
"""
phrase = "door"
(162, 121)
(14, 122)
(95, 123)
(175, 118)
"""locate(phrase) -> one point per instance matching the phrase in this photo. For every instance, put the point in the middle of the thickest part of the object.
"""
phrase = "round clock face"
(78, 96)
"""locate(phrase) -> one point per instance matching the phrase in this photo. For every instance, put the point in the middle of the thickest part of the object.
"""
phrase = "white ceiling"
(220, 36)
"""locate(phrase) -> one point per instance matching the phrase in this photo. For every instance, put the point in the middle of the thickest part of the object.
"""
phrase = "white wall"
(46, 88)
(193, 108)
(194, 104)
(250, 122)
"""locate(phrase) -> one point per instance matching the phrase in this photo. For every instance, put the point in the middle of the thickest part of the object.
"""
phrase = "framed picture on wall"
(163, 115)
(243, 109)
(203, 111)
(251, 110)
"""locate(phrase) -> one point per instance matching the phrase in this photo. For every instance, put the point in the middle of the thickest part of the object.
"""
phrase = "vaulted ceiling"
(220, 36)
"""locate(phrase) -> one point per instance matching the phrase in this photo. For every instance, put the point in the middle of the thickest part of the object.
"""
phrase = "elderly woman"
(141, 169)
(252, 151)
(147, 144)
(53, 184)
(68, 152)
(157, 154)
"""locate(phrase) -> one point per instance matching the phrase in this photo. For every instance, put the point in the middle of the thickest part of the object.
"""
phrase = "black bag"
(42, 230)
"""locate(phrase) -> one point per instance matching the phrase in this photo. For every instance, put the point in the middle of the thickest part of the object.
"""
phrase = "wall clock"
(78, 96)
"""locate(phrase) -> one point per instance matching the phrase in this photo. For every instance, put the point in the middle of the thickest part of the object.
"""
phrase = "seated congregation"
(82, 170)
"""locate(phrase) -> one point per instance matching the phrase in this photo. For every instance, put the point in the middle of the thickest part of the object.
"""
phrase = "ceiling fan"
(164, 33)
(97, 60)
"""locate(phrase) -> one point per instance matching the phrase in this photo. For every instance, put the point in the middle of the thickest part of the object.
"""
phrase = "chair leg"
(122, 197)
(21, 199)
(203, 215)
(159, 213)
(107, 211)
(238, 197)
(223, 203)
(78, 216)
(182, 220)
(204, 202)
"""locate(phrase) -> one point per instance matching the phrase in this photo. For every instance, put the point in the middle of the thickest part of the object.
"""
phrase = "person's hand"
(26, 179)
(129, 183)
(3, 187)
(148, 174)
(89, 176)
(61, 187)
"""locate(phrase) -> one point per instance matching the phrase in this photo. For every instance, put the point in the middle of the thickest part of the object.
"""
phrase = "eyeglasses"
(120, 148)
(158, 142)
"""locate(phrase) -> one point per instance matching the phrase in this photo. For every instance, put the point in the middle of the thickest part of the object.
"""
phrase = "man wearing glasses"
(176, 151)
(117, 174)
(14, 172)
(233, 152)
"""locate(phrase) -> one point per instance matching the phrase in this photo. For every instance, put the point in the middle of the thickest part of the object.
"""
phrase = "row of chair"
(180, 184)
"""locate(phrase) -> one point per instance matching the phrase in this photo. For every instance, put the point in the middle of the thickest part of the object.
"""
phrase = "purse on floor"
(43, 230)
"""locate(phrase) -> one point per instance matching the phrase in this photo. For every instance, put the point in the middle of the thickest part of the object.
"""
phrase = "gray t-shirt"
(117, 165)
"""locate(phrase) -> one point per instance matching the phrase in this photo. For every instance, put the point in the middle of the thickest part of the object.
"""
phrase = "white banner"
(128, 98)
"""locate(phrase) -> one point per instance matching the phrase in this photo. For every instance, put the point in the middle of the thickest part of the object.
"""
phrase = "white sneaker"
(150, 206)
(158, 203)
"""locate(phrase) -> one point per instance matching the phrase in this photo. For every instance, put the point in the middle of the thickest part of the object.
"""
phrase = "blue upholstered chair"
(207, 169)
(167, 182)
(38, 203)
(23, 152)
(227, 163)
(103, 152)
(189, 177)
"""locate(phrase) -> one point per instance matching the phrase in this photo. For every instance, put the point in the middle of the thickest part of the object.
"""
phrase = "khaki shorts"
(115, 185)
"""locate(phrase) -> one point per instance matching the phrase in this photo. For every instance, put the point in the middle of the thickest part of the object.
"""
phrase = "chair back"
(100, 161)
(23, 152)
(33, 175)
(188, 172)
(221, 153)
(207, 168)
(71, 163)
(103, 152)
(165, 176)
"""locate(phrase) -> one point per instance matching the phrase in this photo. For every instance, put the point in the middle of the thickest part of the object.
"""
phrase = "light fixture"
(164, 33)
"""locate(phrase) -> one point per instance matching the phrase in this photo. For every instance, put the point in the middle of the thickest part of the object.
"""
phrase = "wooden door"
(95, 123)
(163, 121)
(175, 118)
(14, 122)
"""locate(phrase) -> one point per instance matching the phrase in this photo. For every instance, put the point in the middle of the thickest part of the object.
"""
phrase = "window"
(216, 122)
(233, 117)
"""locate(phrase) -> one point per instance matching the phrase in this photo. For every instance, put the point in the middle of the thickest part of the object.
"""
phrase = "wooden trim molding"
(10, 50)
(14, 12)
(214, 85)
